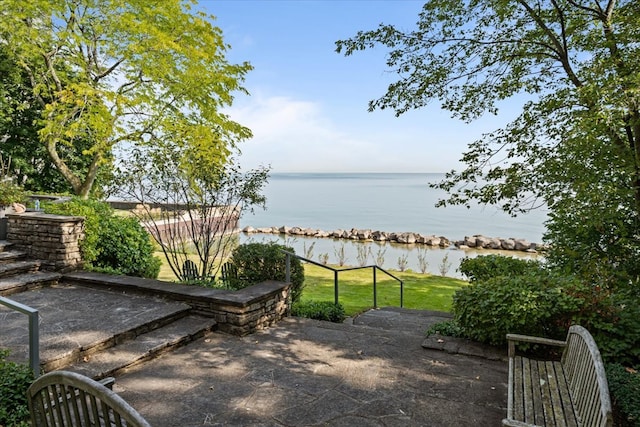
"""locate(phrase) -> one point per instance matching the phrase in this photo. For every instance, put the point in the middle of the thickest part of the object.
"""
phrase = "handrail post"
(375, 289)
(34, 334)
(335, 286)
(288, 269)
(34, 343)
(401, 294)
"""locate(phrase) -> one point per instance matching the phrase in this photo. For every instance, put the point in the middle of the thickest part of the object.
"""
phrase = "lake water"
(393, 202)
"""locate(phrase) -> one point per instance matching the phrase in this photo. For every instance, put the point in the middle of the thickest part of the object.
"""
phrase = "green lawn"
(421, 291)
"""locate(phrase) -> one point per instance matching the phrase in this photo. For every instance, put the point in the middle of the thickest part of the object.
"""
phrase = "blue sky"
(308, 104)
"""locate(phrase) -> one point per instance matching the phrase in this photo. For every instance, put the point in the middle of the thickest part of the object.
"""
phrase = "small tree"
(423, 264)
(363, 255)
(190, 207)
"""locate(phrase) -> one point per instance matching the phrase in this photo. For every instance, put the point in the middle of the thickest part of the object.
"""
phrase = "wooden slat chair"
(570, 392)
(61, 399)
(190, 271)
(229, 274)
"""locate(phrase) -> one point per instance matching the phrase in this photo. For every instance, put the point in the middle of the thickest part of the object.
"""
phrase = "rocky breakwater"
(469, 242)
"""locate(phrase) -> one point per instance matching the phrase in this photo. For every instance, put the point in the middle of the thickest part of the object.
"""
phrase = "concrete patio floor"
(310, 373)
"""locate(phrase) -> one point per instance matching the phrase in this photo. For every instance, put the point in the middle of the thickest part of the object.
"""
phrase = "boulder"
(379, 236)
(433, 241)
(508, 244)
(483, 241)
(470, 241)
(495, 243)
(364, 234)
(284, 230)
(407, 238)
(248, 229)
(522, 245)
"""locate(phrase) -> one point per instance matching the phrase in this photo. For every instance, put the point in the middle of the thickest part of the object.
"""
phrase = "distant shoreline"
(411, 238)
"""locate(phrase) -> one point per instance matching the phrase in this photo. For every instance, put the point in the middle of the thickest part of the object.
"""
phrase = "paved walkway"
(309, 373)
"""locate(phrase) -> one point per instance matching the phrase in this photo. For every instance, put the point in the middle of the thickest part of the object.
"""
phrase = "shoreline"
(367, 235)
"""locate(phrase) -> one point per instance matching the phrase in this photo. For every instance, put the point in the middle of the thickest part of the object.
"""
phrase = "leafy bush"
(258, 262)
(125, 246)
(532, 304)
(624, 387)
(614, 321)
(319, 310)
(112, 244)
(14, 380)
(489, 266)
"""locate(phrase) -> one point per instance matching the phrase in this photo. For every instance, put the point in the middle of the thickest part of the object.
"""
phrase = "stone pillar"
(53, 239)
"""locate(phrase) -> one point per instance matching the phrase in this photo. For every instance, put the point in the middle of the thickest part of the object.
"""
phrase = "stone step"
(8, 256)
(143, 347)
(5, 245)
(19, 267)
(24, 282)
(76, 322)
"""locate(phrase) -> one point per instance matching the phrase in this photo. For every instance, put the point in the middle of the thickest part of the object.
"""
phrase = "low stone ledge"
(239, 312)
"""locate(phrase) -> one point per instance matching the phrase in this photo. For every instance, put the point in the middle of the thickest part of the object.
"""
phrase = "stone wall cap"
(48, 217)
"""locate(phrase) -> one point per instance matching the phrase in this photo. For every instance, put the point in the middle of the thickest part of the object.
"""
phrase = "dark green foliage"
(125, 246)
(448, 328)
(14, 380)
(614, 321)
(319, 310)
(488, 266)
(112, 244)
(624, 387)
(258, 262)
(540, 304)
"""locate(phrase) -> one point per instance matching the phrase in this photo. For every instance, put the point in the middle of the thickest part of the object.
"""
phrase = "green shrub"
(448, 328)
(531, 304)
(258, 262)
(14, 380)
(624, 387)
(489, 266)
(319, 310)
(126, 247)
(613, 318)
(112, 244)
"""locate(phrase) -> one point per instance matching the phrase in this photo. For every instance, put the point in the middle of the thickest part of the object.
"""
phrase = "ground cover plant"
(15, 378)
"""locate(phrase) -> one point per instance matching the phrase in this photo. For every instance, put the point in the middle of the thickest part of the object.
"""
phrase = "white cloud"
(295, 135)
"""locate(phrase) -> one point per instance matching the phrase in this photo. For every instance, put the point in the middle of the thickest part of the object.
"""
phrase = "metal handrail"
(34, 332)
(335, 276)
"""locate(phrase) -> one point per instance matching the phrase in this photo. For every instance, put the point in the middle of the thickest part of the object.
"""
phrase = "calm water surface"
(386, 202)
(381, 201)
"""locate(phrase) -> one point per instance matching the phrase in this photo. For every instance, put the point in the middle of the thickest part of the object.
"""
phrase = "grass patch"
(355, 289)
(421, 291)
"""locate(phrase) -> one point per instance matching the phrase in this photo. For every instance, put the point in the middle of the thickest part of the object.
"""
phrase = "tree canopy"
(116, 73)
(576, 144)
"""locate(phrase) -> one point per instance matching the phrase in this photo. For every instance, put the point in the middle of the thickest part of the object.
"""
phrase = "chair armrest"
(535, 340)
(513, 338)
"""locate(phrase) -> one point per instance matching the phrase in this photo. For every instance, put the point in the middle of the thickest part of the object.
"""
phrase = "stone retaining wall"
(239, 312)
(53, 239)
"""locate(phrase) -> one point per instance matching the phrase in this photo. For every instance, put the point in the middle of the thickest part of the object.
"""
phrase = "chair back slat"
(587, 379)
(60, 399)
